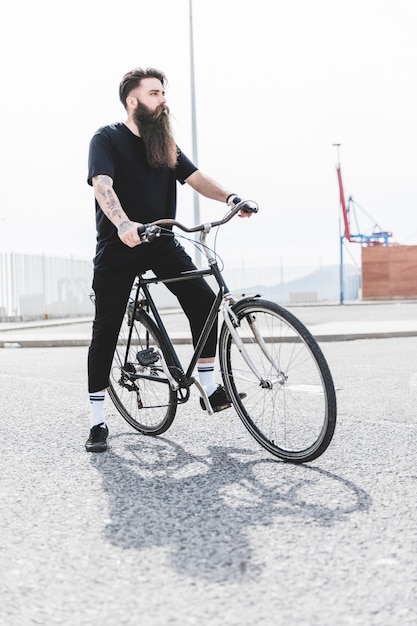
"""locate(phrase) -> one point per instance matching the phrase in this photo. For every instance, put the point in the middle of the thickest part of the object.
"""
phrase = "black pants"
(112, 289)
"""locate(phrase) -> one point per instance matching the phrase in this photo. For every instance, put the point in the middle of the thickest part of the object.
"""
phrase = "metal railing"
(33, 287)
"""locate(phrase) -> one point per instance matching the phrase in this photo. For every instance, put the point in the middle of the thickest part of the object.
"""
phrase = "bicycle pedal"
(147, 357)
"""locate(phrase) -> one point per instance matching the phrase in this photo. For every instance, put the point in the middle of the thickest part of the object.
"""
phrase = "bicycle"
(273, 369)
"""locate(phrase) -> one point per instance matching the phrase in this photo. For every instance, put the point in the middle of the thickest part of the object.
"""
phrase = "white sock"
(97, 408)
(206, 377)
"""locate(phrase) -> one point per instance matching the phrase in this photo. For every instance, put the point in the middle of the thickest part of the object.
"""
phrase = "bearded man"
(134, 167)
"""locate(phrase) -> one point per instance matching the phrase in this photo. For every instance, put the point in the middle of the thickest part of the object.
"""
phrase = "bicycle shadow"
(203, 508)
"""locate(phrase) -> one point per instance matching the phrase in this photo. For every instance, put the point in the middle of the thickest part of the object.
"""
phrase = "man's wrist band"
(229, 196)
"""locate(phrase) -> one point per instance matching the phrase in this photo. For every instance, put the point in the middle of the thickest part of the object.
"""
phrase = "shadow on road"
(205, 509)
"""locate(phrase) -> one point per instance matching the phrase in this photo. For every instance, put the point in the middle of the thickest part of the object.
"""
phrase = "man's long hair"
(155, 130)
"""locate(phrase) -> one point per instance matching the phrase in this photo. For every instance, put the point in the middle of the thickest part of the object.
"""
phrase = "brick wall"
(389, 272)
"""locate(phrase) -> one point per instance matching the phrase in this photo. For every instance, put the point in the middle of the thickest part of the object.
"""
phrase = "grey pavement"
(333, 322)
(201, 526)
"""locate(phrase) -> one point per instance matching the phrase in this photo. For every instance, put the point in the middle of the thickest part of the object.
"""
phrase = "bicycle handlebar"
(148, 232)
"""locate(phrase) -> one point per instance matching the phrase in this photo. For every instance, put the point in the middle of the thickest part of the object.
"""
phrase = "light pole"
(194, 129)
(341, 273)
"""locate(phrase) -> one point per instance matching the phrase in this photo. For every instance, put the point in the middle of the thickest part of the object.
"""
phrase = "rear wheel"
(290, 401)
(138, 386)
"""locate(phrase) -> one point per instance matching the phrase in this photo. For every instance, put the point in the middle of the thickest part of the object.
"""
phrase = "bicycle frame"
(222, 303)
(143, 284)
(273, 370)
(274, 402)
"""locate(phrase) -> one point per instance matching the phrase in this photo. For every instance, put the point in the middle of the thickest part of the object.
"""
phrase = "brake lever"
(149, 232)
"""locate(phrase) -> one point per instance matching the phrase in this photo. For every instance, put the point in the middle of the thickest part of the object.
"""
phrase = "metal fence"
(40, 287)
(34, 287)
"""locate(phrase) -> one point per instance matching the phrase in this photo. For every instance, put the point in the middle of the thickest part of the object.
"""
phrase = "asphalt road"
(201, 525)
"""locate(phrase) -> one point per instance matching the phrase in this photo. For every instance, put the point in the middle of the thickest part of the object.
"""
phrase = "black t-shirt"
(145, 193)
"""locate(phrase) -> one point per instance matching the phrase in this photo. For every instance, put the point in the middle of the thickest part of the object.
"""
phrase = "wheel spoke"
(138, 387)
(289, 404)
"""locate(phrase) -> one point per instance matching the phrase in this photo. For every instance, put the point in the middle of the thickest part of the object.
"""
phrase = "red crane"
(377, 237)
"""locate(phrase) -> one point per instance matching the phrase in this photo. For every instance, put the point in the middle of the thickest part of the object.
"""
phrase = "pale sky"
(277, 83)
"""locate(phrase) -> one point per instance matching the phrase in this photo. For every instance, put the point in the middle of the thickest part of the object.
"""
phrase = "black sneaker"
(219, 400)
(97, 441)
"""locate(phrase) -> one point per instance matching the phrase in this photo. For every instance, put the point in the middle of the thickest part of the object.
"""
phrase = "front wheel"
(138, 386)
(289, 405)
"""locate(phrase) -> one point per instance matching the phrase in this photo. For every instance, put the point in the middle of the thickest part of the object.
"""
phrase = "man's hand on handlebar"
(129, 233)
(246, 210)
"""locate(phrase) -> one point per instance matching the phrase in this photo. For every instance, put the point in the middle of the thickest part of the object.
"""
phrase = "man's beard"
(155, 130)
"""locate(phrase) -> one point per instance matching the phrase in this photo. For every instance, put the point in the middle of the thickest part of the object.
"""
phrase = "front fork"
(233, 323)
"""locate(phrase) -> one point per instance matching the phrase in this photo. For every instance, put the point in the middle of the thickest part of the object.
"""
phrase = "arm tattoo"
(103, 179)
(107, 199)
(113, 205)
(124, 227)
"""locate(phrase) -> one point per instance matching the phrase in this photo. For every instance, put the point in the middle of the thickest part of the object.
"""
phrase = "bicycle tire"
(293, 417)
(141, 392)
